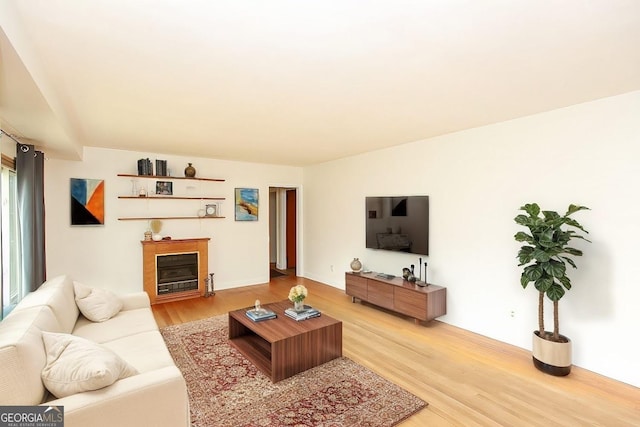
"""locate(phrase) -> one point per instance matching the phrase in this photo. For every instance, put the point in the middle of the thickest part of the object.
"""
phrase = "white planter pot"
(550, 357)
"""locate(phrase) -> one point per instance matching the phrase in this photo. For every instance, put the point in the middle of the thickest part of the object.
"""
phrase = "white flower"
(297, 293)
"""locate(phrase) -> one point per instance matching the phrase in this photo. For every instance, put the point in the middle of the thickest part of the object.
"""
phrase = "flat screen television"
(398, 223)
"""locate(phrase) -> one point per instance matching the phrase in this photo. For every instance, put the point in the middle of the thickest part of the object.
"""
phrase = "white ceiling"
(299, 82)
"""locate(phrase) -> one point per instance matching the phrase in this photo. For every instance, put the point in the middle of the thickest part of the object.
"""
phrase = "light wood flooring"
(468, 379)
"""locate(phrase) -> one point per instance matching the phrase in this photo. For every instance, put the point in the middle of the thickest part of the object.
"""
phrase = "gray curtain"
(30, 181)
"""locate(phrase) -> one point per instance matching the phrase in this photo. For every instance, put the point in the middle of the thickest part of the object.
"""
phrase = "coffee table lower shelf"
(256, 349)
(282, 347)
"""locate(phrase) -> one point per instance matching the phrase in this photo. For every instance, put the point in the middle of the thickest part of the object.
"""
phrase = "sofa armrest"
(135, 300)
(156, 398)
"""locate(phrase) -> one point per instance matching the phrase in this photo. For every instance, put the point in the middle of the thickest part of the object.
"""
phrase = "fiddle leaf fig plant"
(546, 254)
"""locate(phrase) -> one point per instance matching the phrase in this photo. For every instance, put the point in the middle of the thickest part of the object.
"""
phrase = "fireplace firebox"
(176, 273)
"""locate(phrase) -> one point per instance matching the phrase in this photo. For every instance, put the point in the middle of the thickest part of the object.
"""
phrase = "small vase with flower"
(297, 294)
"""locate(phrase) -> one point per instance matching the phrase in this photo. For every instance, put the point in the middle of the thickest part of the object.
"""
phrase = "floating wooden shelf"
(171, 197)
(140, 218)
(170, 177)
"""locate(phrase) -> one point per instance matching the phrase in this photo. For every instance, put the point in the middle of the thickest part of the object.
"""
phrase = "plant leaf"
(555, 268)
(521, 236)
(531, 208)
(541, 255)
(533, 272)
(575, 208)
(555, 292)
(544, 283)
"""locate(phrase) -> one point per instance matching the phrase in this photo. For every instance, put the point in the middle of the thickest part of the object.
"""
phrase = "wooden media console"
(420, 302)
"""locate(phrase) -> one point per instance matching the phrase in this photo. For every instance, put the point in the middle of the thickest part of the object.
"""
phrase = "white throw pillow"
(76, 364)
(96, 304)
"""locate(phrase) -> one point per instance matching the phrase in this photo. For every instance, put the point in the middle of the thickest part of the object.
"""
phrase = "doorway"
(283, 223)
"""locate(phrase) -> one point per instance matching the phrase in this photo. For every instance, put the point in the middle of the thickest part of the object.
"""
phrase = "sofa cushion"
(96, 304)
(75, 365)
(123, 324)
(145, 351)
(59, 295)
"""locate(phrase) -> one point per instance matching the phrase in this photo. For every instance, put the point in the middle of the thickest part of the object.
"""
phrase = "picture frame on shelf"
(164, 188)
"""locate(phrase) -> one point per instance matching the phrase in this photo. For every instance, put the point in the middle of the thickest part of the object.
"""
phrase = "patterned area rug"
(225, 389)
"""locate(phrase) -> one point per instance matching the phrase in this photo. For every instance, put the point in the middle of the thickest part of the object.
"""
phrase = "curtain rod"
(10, 136)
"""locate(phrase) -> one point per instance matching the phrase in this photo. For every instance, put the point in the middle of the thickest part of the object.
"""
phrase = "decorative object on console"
(189, 171)
(426, 282)
(297, 294)
(356, 265)
(544, 258)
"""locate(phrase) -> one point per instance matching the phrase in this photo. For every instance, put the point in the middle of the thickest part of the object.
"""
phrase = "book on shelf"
(161, 167)
(145, 167)
(307, 312)
(261, 314)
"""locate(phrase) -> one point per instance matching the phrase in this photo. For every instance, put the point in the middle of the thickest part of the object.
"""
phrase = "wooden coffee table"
(282, 347)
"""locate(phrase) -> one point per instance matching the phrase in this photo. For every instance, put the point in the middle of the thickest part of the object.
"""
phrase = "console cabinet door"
(411, 303)
(380, 294)
(356, 286)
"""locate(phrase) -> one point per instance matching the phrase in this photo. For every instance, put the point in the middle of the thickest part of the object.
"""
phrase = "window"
(9, 237)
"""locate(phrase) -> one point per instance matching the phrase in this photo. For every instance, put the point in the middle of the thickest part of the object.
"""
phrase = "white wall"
(477, 179)
(111, 255)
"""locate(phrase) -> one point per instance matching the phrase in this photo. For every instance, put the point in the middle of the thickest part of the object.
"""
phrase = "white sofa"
(154, 396)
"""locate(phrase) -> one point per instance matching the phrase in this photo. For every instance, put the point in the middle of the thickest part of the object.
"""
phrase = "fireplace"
(174, 269)
(176, 273)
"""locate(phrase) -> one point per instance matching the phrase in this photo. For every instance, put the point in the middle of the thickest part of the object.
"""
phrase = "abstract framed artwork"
(246, 204)
(87, 201)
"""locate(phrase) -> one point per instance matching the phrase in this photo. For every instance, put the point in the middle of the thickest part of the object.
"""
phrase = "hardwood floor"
(468, 379)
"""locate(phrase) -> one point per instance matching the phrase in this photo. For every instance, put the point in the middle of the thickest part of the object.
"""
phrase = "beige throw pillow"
(96, 304)
(75, 365)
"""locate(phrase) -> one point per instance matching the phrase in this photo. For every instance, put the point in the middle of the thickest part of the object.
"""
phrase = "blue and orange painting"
(87, 201)
(246, 204)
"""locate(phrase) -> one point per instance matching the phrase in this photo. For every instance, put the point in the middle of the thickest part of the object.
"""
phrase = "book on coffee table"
(261, 314)
(307, 312)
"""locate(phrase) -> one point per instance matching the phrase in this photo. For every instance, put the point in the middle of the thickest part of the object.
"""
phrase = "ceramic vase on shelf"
(298, 305)
(189, 171)
(356, 265)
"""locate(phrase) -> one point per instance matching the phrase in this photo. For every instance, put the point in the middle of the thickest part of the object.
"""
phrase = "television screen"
(398, 223)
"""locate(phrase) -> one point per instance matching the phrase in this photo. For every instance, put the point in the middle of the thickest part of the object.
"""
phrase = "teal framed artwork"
(246, 204)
